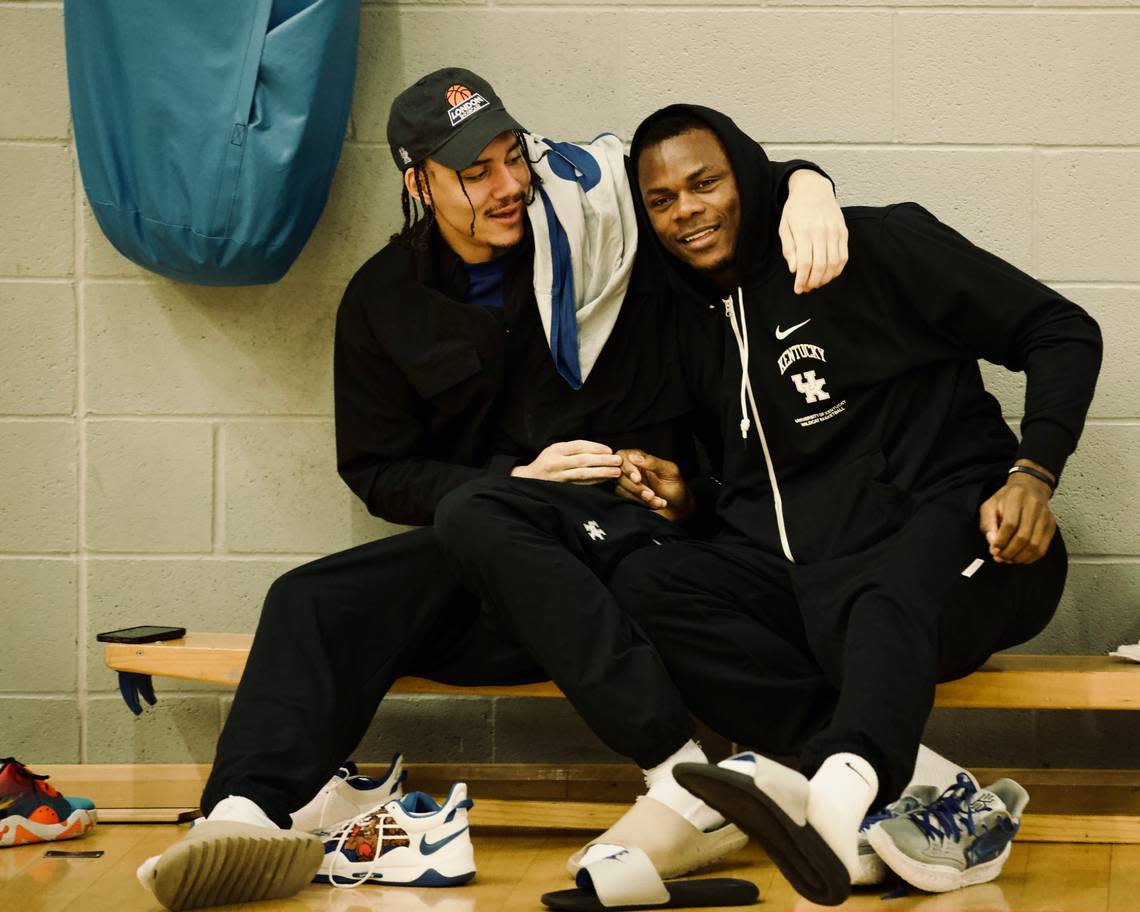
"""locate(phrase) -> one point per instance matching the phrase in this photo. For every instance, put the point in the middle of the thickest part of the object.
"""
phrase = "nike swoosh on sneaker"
(782, 334)
(429, 848)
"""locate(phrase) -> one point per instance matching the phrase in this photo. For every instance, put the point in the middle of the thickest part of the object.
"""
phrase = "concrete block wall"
(166, 450)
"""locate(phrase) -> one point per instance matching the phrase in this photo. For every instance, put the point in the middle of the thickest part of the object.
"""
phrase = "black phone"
(144, 634)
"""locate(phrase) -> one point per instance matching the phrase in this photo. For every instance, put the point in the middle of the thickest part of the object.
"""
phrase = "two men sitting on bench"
(841, 582)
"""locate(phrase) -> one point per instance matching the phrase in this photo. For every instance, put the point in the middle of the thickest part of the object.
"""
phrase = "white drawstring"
(742, 349)
(748, 400)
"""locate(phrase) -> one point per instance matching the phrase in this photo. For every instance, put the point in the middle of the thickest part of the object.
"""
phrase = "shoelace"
(939, 820)
(382, 821)
(871, 819)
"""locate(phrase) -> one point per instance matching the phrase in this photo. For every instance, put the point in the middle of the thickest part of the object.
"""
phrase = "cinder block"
(362, 213)
(282, 491)
(39, 607)
(981, 77)
(987, 195)
(983, 737)
(33, 74)
(37, 348)
(911, 3)
(1029, 4)
(1086, 740)
(40, 730)
(165, 348)
(182, 729)
(545, 731)
(1097, 612)
(1088, 204)
(36, 199)
(549, 85)
(38, 486)
(1118, 387)
(1096, 503)
(784, 76)
(211, 594)
(150, 486)
(429, 729)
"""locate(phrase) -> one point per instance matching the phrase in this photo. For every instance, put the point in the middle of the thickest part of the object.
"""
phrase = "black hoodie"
(864, 398)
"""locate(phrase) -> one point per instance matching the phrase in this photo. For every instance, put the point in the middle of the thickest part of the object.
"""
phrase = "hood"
(756, 247)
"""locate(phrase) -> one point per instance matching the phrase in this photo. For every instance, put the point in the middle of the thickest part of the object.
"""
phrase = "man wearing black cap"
(444, 373)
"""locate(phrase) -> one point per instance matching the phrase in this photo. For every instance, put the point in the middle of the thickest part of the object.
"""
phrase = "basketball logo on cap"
(457, 94)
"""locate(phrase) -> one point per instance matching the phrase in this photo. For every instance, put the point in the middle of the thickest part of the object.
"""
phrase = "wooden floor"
(516, 868)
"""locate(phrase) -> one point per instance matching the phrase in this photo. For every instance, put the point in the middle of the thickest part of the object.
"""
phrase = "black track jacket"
(431, 391)
(865, 396)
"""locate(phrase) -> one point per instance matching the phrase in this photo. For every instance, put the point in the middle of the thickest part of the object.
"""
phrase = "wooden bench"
(1007, 681)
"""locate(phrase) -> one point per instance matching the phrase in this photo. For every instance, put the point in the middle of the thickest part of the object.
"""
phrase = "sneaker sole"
(235, 866)
(808, 863)
(933, 878)
(405, 867)
(428, 878)
(16, 830)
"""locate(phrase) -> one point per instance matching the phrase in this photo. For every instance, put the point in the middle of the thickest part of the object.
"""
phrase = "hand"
(812, 231)
(656, 483)
(576, 461)
(1017, 521)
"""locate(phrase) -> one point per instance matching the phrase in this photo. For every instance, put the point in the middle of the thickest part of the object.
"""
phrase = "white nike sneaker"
(410, 842)
(349, 794)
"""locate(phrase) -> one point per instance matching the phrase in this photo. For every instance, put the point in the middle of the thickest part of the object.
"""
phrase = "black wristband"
(1040, 476)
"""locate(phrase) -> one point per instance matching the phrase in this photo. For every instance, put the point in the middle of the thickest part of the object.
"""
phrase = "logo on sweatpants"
(595, 531)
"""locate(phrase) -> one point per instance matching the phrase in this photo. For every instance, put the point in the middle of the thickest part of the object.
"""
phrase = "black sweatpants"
(335, 633)
(842, 655)
(538, 554)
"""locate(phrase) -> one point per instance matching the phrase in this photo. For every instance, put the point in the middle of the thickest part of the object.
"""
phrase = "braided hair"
(419, 216)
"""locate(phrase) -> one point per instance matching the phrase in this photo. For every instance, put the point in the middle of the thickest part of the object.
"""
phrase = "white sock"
(664, 788)
(840, 795)
(933, 769)
(237, 809)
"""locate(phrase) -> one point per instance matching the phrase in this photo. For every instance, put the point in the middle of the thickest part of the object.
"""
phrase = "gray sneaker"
(870, 868)
(961, 838)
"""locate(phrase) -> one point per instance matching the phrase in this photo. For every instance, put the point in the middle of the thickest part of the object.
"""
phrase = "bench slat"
(1006, 682)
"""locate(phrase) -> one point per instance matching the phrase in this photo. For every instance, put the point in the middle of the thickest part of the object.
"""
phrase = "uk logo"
(595, 531)
(810, 386)
(404, 154)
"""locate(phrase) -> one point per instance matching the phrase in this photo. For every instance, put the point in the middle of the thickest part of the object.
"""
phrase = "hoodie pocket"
(844, 510)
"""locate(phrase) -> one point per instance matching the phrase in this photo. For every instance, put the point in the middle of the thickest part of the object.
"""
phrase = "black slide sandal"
(623, 878)
(809, 863)
(683, 894)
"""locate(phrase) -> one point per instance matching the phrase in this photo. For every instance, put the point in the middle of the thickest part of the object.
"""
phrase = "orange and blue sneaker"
(31, 810)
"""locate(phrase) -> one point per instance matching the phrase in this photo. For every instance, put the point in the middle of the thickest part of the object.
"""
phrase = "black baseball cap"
(450, 116)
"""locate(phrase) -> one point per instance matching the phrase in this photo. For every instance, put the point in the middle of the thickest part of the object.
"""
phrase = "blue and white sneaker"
(962, 838)
(870, 868)
(409, 842)
(349, 794)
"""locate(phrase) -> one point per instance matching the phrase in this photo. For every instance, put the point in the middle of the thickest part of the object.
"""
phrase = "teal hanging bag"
(208, 131)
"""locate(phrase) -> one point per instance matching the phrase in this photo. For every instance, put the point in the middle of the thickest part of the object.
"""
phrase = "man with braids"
(445, 373)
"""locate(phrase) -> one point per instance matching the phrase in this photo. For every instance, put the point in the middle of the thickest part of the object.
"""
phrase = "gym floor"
(515, 868)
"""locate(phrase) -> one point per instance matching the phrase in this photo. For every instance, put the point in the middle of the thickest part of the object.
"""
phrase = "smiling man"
(880, 527)
(446, 371)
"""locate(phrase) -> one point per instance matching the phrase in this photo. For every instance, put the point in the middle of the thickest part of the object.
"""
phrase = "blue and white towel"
(585, 238)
